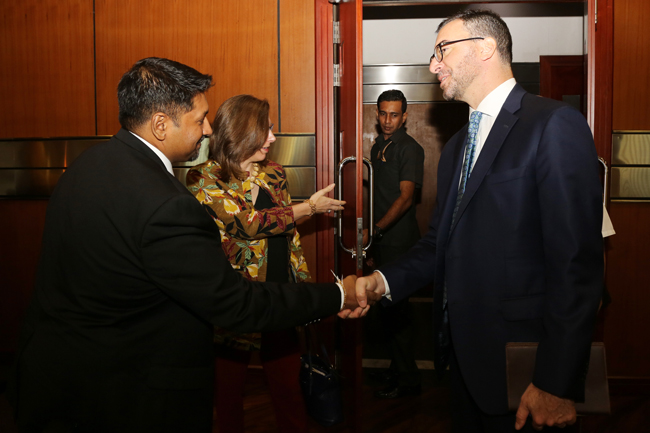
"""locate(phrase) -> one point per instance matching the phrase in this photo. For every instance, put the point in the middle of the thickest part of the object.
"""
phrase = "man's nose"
(207, 129)
(435, 66)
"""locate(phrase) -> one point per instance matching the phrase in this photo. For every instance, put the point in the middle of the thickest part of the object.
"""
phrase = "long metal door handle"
(371, 201)
(359, 251)
(339, 215)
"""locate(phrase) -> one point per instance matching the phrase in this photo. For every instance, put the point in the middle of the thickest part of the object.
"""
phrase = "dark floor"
(425, 413)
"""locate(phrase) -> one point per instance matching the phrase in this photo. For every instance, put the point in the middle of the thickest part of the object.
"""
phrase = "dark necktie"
(444, 341)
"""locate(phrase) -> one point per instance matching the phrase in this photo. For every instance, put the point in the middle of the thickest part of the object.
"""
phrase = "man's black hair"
(158, 85)
(392, 95)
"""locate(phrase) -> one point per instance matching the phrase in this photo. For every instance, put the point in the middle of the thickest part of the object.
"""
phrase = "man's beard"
(197, 151)
(460, 81)
(194, 155)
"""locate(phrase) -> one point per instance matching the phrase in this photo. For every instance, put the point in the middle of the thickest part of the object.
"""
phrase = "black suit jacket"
(524, 260)
(131, 281)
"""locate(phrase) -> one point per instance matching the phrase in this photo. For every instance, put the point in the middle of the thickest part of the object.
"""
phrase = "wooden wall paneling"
(627, 318)
(631, 65)
(234, 41)
(297, 66)
(47, 74)
(21, 230)
(600, 75)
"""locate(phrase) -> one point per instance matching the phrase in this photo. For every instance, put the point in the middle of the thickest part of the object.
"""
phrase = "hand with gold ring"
(323, 203)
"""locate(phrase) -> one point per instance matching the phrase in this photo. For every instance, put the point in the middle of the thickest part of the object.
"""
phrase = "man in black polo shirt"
(398, 162)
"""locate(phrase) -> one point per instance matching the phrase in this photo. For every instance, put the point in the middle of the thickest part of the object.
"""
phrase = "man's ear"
(404, 117)
(159, 125)
(488, 48)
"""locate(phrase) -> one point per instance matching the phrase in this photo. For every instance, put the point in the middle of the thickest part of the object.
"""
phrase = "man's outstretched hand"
(360, 296)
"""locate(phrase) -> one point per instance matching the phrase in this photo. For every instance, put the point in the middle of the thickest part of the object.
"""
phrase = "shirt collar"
(493, 102)
(163, 158)
(395, 138)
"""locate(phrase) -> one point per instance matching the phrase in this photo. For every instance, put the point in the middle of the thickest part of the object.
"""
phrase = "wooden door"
(563, 78)
(340, 150)
(350, 123)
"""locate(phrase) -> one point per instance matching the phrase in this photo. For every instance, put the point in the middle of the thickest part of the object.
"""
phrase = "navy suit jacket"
(131, 281)
(523, 260)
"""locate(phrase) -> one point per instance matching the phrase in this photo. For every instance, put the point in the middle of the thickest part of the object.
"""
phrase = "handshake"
(360, 294)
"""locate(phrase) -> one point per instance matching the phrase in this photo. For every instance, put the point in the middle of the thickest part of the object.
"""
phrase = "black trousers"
(397, 325)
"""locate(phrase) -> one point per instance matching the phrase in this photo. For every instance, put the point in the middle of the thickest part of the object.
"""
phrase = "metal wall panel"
(405, 74)
(295, 152)
(631, 183)
(419, 85)
(630, 166)
(631, 148)
(29, 183)
(44, 153)
(30, 168)
(414, 93)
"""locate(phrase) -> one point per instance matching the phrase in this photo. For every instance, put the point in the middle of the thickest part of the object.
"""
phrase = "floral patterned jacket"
(244, 229)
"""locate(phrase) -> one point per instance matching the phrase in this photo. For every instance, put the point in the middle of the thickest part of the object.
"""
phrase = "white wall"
(412, 40)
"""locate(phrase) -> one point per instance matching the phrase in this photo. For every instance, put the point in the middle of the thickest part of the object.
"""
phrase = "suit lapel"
(498, 134)
(458, 144)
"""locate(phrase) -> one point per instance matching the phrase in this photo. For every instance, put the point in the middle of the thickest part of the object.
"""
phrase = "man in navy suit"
(514, 245)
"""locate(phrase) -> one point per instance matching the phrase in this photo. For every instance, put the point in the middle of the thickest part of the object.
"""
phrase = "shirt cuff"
(387, 292)
(342, 295)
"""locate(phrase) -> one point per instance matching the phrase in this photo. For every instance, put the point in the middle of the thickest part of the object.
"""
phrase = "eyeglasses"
(438, 53)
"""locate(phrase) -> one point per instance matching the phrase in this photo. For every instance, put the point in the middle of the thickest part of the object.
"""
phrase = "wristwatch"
(378, 233)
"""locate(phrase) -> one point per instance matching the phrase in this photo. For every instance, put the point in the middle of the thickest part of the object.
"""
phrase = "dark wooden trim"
(359, 121)
(600, 96)
(325, 162)
(600, 75)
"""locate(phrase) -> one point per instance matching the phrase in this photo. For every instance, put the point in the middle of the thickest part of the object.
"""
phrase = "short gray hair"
(485, 23)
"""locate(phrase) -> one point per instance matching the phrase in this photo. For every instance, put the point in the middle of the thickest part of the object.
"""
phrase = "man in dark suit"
(132, 278)
(514, 245)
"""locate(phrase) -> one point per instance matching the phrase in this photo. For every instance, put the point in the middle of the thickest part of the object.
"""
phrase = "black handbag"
(320, 385)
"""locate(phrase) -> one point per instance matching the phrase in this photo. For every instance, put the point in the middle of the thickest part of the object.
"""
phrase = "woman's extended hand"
(326, 204)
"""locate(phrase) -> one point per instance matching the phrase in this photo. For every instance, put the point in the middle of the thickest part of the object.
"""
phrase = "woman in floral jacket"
(250, 202)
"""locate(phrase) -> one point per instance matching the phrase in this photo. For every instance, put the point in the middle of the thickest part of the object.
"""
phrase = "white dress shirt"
(163, 158)
(490, 106)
